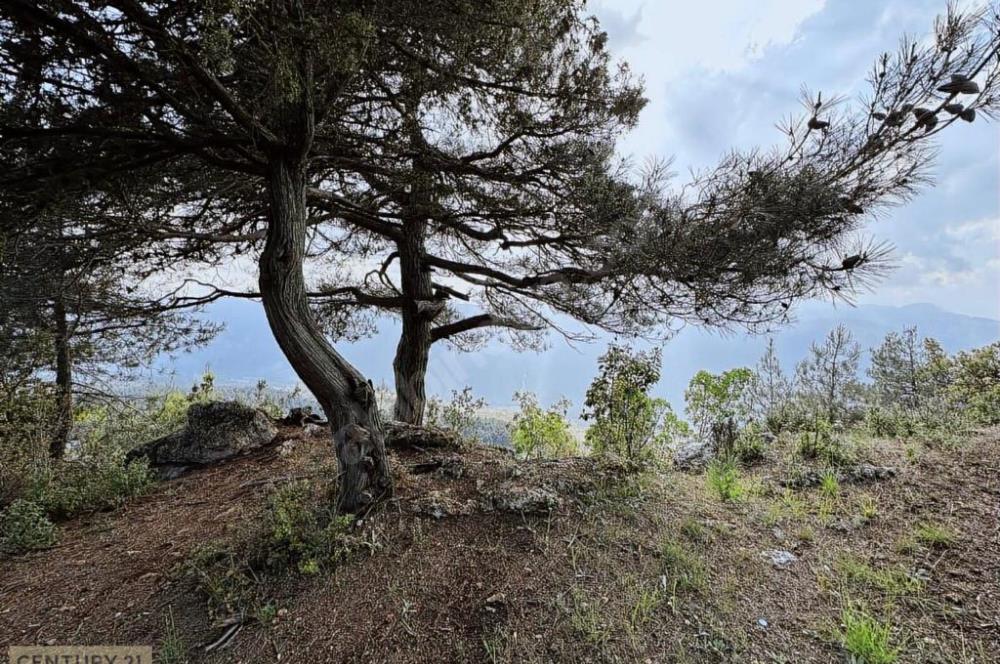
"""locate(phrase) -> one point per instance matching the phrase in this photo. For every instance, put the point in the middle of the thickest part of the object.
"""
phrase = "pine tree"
(828, 377)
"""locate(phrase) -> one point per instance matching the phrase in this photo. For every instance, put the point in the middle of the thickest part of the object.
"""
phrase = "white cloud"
(975, 231)
(664, 41)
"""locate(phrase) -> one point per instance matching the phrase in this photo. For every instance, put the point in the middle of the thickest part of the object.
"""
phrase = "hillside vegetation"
(663, 566)
(801, 517)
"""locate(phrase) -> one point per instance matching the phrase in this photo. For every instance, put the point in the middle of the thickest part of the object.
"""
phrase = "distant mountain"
(246, 352)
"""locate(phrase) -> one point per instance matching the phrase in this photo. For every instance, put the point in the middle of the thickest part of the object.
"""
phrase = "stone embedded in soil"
(859, 474)
(437, 504)
(515, 498)
(779, 558)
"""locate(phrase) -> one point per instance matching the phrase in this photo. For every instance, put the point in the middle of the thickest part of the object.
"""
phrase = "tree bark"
(413, 350)
(347, 399)
(64, 382)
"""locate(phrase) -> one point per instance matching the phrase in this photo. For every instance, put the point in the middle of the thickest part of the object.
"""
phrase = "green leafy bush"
(975, 387)
(537, 433)
(890, 422)
(460, 414)
(24, 526)
(720, 403)
(27, 416)
(92, 484)
(626, 421)
(301, 531)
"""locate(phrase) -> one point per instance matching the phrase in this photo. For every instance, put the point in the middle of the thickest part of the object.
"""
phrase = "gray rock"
(694, 453)
(513, 498)
(215, 431)
(779, 558)
(302, 416)
(865, 472)
(860, 474)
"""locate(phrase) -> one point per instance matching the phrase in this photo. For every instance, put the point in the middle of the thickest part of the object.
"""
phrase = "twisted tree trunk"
(345, 396)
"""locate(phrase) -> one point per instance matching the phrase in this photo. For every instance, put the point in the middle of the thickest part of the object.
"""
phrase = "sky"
(720, 73)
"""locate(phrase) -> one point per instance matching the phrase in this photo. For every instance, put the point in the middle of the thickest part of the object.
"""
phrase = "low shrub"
(536, 433)
(750, 445)
(298, 532)
(302, 532)
(723, 478)
(461, 413)
(24, 526)
(93, 484)
(890, 422)
(625, 420)
(820, 444)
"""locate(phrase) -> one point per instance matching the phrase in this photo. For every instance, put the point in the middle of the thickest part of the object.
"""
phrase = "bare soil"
(595, 579)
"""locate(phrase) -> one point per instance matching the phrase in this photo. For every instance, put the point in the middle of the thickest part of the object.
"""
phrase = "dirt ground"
(657, 569)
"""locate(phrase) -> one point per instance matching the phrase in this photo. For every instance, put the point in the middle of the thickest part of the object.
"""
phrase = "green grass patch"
(934, 535)
(895, 581)
(867, 639)
(723, 478)
(682, 570)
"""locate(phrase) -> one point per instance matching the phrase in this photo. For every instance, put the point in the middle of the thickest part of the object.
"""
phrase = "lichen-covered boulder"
(216, 430)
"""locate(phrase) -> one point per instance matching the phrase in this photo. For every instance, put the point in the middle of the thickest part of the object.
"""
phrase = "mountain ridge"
(246, 352)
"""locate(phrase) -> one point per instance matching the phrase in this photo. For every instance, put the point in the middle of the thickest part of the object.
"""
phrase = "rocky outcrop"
(215, 431)
(510, 497)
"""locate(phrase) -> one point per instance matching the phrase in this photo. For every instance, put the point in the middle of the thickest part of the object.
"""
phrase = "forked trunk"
(64, 383)
(345, 396)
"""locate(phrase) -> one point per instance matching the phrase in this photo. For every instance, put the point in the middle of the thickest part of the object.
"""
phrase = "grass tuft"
(173, 650)
(934, 535)
(682, 569)
(868, 640)
(894, 581)
(829, 485)
(723, 478)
